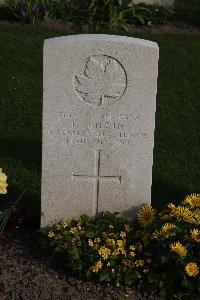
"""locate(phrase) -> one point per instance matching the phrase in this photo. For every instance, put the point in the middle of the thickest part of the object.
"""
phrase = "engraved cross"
(96, 178)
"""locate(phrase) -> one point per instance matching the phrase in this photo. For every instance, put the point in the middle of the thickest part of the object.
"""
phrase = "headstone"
(98, 125)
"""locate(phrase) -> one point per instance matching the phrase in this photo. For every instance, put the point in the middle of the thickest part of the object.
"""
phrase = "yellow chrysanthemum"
(123, 251)
(132, 247)
(104, 252)
(156, 234)
(145, 271)
(192, 269)
(111, 242)
(146, 215)
(73, 230)
(3, 183)
(97, 266)
(97, 240)
(132, 253)
(195, 234)
(193, 200)
(122, 234)
(171, 206)
(66, 223)
(90, 243)
(167, 229)
(78, 226)
(58, 226)
(196, 215)
(51, 234)
(120, 243)
(139, 263)
(179, 249)
(181, 212)
(116, 252)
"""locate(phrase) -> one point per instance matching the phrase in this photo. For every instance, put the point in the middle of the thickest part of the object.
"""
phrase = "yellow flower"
(120, 243)
(167, 227)
(122, 234)
(97, 240)
(3, 183)
(132, 247)
(145, 271)
(97, 266)
(171, 206)
(192, 269)
(111, 226)
(104, 252)
(91, 243)
(139, 263)
(195, 234)
(132, 253)
(78, 226)
(196, 215)
(58, 226)
(179, 249)
(181, 212)
(146, 215)
(156, 234)
(108, 264)
(111, 242)
(123, 251)
(115, 252)
(127, 227)
(193, 200)
(66, 223)
(51, 234)
(73, 230)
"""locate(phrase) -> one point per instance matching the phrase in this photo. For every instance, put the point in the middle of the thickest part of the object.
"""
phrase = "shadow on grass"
(163, 193)
(28, 151)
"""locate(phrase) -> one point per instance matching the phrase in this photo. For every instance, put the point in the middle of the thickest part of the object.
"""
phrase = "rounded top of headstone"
(102, 37)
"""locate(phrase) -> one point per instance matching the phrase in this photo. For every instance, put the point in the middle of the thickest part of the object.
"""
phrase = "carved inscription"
(98, 129)
(102, 82)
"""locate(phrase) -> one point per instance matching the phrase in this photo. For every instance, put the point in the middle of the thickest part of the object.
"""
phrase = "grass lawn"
(176, 170)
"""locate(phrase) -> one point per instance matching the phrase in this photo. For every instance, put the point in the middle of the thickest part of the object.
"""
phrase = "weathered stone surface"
(98, 125)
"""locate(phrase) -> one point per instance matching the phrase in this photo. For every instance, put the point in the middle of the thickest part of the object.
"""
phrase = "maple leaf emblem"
(103, 81)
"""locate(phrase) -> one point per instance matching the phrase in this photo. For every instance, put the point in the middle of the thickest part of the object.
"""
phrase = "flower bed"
(159, 251)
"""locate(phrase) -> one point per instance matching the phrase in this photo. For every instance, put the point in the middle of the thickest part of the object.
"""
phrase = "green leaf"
(105, 276)
(130, 277)
(90, 234)
(151, 277)
(73, 252)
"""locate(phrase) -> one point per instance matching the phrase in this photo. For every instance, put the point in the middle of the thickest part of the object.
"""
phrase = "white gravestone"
(98, 125)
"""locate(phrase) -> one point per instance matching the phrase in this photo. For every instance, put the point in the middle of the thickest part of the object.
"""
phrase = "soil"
(28, 274)
(167, 27)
